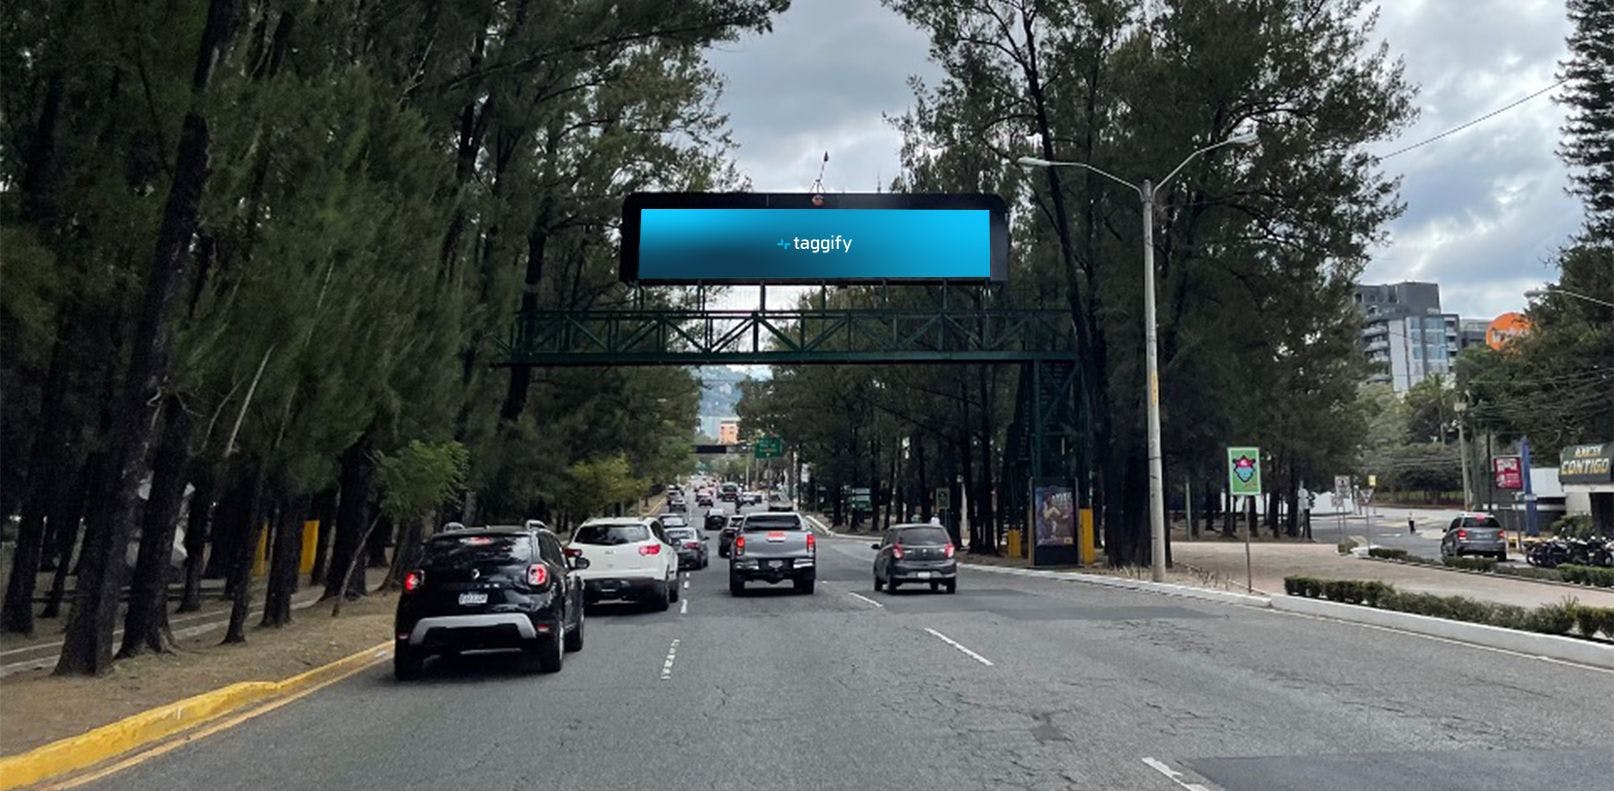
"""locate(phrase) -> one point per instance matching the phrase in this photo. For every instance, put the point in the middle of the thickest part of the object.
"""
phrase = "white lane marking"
(1173, 775)
(864, 598)
(666, 667)
(684, 607)
(686, 583)
(954, 643)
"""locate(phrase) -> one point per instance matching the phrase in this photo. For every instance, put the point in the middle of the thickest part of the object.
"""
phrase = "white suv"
(630, 559)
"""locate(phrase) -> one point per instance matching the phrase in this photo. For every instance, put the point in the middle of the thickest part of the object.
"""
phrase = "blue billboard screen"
(762, 238)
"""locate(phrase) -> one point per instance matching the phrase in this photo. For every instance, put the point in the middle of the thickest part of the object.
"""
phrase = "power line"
(1462, 126)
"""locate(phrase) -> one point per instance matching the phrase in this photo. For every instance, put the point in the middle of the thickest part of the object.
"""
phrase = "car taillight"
(948, 550)
(650, 549)
(574, 552)
(1462, 534)
(537, 575)
(413, 580)
(812, 543)
(692, 545)
(896, 550)
(739, 545)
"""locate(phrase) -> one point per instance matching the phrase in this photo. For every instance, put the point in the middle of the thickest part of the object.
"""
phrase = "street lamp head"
(1242, 138)
(1535, 293)
(1033, 162)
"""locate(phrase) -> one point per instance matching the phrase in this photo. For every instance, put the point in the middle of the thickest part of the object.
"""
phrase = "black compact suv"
(490, 588)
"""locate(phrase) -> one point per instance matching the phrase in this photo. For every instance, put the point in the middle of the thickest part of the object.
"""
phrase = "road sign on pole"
(768, 448)
(1244, 471)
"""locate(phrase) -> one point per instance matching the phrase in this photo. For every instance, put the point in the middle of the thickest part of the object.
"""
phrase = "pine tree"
(1588, 145)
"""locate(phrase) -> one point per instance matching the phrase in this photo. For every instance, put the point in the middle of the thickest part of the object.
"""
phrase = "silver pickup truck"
(773, 547)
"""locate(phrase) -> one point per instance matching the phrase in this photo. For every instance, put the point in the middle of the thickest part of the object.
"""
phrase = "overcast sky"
(1485, 207)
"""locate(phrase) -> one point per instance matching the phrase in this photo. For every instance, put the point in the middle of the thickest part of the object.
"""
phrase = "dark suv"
(489, 588)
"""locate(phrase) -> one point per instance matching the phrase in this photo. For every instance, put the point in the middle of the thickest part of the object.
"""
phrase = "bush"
(1470, 564)
(1302, 586)
(1573, 526)
(1587, 575)
(1529, 572)
(1345, 547)
(1591, 620)
(1387, 553)
(1554, 618)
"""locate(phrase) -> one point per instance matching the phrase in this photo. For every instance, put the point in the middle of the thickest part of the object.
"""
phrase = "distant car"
(1475, 534)
(729, 492)
(503, 587)
(750, 498)
(773, 548)
(703, 498)
(726, 540)
(716, 520)
(915, 553)
(672, 520)
(779, 502)
(629, 559)
(691, 547)
(676, 502)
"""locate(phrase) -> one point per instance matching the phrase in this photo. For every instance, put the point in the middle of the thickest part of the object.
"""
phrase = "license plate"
(473, 598)
(924, 575)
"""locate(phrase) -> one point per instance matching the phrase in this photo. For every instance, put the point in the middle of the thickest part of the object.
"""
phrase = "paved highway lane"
(1013, 682)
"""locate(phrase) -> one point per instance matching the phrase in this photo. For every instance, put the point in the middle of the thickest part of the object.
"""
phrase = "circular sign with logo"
(1504, 328)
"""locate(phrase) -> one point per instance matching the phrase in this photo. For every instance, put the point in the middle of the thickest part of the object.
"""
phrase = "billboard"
(1054, 511)
(1580, 465)
(709, 237)
(1509, 472)
(1505, 328)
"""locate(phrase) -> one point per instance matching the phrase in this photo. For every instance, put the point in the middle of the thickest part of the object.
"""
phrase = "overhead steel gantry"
(950, 325)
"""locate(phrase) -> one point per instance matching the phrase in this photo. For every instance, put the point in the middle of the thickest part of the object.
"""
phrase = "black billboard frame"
(997, 212)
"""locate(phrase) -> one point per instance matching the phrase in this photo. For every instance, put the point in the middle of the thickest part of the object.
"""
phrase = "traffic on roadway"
(891, 666)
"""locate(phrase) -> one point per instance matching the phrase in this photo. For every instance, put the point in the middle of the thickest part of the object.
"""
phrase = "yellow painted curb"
(111, 740)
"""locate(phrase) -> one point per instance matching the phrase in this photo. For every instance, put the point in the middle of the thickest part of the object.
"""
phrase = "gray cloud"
(1485, 207)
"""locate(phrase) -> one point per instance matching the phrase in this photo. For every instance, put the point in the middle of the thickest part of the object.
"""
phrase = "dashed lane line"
(861, 597)
(1173, 775)
(667, 666)
(954, 643)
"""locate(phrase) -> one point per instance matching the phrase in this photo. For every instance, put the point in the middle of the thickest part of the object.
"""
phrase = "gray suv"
(1475, 534)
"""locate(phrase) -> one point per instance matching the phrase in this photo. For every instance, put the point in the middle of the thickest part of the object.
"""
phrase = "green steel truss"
(689, 336)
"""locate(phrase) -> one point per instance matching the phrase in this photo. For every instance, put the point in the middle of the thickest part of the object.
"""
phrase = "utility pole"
(1462, 451)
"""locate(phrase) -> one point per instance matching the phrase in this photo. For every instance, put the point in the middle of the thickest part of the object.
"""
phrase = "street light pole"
(1537, 292)
(1146, 192)
(1151, 354)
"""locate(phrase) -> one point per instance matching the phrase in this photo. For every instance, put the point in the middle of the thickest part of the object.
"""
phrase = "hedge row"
(1387, 553)
(1469, 564)
(1599, 576)
(1587, 575)
(1561, 619)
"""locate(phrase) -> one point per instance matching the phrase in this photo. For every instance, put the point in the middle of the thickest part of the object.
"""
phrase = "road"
(1012, 683)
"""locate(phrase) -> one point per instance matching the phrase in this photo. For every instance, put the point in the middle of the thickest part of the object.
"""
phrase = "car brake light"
(574, 552)
(413, 580)
(896, 551)
(692, 545)
(949, 550)
(650, 549)
(537, 575)
(812, 543)
(1462, 534)
(739, 545)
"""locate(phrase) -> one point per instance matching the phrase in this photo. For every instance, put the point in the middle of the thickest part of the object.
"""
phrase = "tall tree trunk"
(239, 583)
(87, 648)
(69, 513)
(197, 525)
(45, 478)
(283, 557)
(325, 512)
(375, 547)
(145, 623)
(352, 519)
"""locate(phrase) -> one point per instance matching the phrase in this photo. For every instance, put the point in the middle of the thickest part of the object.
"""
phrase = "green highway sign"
(768, 447)
(859, 499)
(1244, 471)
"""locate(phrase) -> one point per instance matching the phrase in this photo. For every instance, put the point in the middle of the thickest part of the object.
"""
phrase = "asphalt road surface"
(1012, 683)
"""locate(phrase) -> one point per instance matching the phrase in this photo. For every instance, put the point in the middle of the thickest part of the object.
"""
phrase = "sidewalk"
(1270, 563)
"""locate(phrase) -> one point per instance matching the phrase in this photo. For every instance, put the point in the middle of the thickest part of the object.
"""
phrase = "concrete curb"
(111, 740)
(1550, 646)
(1164, 588)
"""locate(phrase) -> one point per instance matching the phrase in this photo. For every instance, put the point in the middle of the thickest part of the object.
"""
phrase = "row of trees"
(256, 248)
(1256, 247)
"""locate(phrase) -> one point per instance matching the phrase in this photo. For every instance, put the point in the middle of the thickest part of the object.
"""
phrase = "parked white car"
(629, 559)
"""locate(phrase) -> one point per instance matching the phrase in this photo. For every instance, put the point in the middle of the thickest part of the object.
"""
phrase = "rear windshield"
(923, 536)
(607, 535)
(672, 520)
(1489, 521)
(681, 534)
(772, 522)
(447, 550)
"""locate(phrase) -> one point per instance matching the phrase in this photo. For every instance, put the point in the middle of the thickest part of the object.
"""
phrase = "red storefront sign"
(1509, 472)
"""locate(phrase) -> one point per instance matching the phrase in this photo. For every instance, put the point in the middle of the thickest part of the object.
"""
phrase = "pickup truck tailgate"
(776, 544)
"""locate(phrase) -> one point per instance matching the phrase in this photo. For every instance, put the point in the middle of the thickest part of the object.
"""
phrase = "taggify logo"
(827, 244)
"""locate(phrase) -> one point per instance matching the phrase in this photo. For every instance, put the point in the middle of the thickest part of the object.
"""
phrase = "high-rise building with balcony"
(1405, 334)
